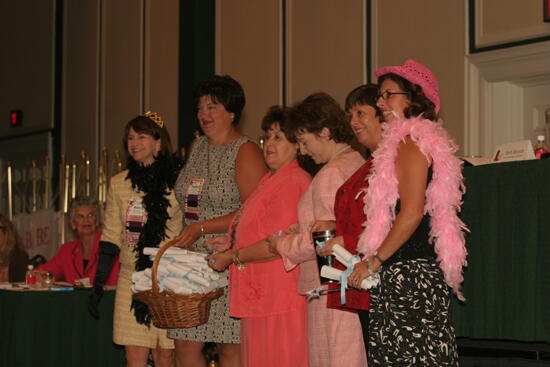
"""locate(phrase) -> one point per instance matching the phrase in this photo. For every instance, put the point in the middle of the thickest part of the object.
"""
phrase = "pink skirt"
(335, 336)
(275, 341)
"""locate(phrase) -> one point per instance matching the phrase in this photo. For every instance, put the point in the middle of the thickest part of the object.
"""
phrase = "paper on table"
(477, 161)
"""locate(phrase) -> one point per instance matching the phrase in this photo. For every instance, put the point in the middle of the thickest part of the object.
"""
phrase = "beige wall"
(162, 62)
(80, 79)
(248, 47)
(121, 59)
(26, 64)
(27, 35)
(326, 45)
(503, 21)
(324, 50)
(508, 87)
(121, 68)
(432, 32)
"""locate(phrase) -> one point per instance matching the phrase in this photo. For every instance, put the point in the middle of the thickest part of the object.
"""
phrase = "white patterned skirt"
(409, 317)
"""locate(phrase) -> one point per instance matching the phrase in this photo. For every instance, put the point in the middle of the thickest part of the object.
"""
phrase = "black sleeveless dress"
(409, 311)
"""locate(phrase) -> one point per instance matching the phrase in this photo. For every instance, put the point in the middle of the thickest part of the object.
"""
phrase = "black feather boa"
(155, 181)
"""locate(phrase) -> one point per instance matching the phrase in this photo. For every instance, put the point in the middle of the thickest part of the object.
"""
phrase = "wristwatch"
(238, 263)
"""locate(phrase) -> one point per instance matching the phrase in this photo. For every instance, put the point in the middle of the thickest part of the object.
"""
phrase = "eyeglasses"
(82, 216)
(385, 95)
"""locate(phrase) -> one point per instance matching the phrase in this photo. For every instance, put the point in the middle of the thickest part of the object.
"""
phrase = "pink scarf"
(443, 194)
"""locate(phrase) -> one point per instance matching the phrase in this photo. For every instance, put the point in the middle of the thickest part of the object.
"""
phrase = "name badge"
(192, 198)
(136, 217)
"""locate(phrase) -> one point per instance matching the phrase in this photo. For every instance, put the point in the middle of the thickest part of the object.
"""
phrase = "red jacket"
(68, 263)
(350, 217)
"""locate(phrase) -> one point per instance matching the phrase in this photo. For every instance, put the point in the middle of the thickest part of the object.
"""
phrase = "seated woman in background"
(78, 259)
(13, 258)
(262, 294)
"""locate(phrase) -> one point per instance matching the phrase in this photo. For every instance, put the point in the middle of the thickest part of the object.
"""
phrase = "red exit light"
(16, 118)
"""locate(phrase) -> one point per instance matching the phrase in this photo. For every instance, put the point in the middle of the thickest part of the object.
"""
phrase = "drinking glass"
(48, 279)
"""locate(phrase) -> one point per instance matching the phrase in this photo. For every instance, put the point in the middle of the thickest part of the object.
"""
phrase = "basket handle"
(156, 262)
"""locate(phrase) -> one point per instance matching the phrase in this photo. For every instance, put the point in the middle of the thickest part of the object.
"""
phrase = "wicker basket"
(170, 310)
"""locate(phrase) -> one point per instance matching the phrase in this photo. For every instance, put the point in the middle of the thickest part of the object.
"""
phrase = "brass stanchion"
(106, 173)
(117, 161)
(63, 187)
(66, 189)
(81, 177)
(46, 175)
(100, 183)
(73, 181)
(10, 193)
(87, 176)
(33, 184)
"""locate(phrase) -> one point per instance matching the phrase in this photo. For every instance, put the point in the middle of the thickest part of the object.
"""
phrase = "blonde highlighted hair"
(10, 242)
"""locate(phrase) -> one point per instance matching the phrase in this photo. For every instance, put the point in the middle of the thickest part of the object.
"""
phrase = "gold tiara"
(155, 117)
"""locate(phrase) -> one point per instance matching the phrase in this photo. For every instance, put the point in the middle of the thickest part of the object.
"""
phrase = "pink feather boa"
(443, 194)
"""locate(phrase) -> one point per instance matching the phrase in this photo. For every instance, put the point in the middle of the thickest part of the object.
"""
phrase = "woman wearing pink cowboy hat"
(413, 238)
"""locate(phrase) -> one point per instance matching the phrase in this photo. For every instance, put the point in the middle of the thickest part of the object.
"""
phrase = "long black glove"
(107, 254)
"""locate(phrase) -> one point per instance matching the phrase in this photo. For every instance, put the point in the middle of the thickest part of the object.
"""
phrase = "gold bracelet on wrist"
(238, 263)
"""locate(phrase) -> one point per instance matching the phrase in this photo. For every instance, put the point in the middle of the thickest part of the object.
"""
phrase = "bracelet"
(369, 267)
(377, 257)
(238, 263)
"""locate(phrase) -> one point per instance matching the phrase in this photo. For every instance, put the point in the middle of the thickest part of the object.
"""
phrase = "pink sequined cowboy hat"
(416, 73)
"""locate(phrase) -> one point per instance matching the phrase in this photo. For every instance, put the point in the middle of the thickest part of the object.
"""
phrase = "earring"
(325, 133)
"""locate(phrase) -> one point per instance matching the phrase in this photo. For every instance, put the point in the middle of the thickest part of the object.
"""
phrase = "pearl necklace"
(339, 152)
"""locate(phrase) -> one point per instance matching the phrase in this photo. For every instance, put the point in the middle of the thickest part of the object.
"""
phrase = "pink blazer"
(317, 203)
(265, 289)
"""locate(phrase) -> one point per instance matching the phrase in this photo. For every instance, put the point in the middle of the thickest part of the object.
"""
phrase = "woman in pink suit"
(262, 294)
(321, 128)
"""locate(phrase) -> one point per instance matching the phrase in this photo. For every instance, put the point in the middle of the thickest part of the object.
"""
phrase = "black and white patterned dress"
(410, 324)
(212, 168)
